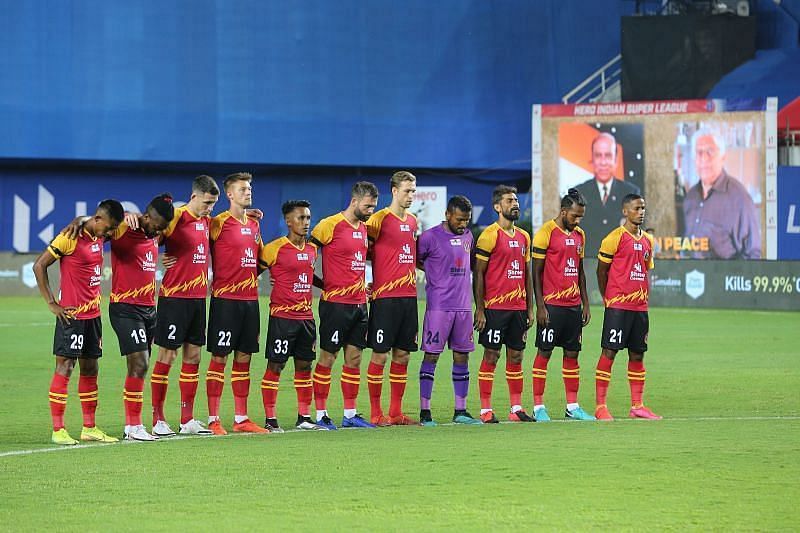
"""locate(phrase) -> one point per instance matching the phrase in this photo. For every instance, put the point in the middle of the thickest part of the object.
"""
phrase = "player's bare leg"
(515, 382)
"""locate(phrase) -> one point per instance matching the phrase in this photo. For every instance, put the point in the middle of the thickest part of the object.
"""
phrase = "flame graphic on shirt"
(637, 296)
(134, 293)
(569, 292)
(409, 280)
(199, 281)
(345, 291)
(92, 304)
(300, 307)
(516, 294)
(249, 283)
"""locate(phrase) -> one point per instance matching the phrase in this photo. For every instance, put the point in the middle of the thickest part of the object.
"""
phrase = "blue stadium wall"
(445, 84)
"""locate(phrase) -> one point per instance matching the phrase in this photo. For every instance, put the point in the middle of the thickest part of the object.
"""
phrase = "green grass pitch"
(726, 456)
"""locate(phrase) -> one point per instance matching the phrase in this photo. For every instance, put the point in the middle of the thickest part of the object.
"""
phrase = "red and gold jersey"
(292, 270)
(344, 259)
(81, 264)
(508, 256)
(631, 258)
(394, 255)
(133, 266)
(562, 252)
(235, 247)
(186, 239)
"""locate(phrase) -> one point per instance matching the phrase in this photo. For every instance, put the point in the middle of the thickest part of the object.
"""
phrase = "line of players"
(498, 265)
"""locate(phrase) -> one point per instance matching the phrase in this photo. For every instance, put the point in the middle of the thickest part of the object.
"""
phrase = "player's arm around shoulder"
(216, 224)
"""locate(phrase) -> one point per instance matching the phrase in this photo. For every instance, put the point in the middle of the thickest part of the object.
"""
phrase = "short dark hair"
(401, 176)
(162, 205)
(113, 208)
(573, 197)
(364, 188)
(631, 197)
(500, 190)
(205, 184)
(459, 202)
(291, 205)
(230, 179)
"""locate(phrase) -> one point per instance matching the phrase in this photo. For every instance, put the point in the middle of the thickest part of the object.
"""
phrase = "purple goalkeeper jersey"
(446, 257)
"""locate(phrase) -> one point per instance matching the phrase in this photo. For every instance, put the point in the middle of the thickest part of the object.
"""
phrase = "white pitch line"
(197, 437)
(29, 324)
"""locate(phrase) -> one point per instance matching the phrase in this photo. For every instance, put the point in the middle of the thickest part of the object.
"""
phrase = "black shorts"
(504, 327)
(79, 338)
(564, 329)
(233, 325)
(625, 329)
(342, 324)
(134, 325)
(291, 338)
(180, 320)
(393, 323)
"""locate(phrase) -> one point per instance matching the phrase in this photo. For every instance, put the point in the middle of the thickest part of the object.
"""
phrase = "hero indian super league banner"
(707, 169)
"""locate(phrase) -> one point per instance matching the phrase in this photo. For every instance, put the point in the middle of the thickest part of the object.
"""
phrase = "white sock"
(239, 418)
(515, 408)
(127, 429)
(537, 407)
(349, 413)
(572, 406)
(484, 411)
(321, 413)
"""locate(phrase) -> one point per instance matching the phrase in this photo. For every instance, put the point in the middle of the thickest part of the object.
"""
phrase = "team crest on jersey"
(95, 247)
(569, 242)
(302, 257)
(405, 227)
(513, 244)
(638, 246)
(455, 242)
(357, 235)
(199, 226)
(246, 231)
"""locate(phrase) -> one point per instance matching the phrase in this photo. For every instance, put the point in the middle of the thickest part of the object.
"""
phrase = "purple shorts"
(451, 327)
